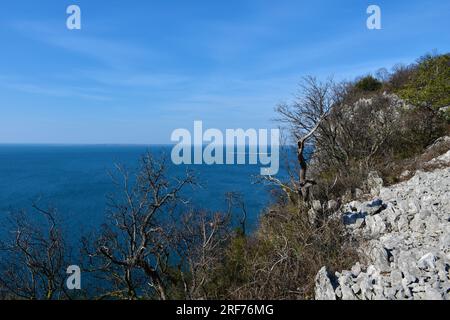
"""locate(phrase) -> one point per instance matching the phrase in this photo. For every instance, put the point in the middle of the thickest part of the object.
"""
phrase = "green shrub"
(429, 84)
(369, 83)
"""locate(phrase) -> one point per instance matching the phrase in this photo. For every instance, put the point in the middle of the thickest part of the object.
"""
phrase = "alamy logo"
(236, 146)
(74, 20)
(74, 280)
(374, 20)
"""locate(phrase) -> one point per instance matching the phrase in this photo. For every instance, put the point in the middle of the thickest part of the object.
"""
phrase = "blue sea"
(76, 181)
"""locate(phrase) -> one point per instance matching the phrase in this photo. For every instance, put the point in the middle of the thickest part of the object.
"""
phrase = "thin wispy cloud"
(153, 66)
(37, 89)
(111, 52)
(134, 78)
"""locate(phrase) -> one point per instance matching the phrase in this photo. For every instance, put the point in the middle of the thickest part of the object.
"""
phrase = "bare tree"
(202, 242)
(303, 118)
(34, 259)
(132, 251)
(236, 199)
(154, 244)
(356, 137)
(199, 242)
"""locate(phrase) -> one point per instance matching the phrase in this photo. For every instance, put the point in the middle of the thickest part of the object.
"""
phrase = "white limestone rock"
(406, 240)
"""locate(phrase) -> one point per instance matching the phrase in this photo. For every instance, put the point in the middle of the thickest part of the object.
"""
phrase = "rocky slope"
(406, 241)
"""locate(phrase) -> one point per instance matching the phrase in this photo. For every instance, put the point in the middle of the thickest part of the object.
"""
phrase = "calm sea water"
(75, 180)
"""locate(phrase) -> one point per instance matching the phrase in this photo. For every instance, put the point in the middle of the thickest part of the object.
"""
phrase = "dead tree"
(236, 199)
(203, 241)
(33, 258)
(132, 253)
(303, 119)
(199, 239)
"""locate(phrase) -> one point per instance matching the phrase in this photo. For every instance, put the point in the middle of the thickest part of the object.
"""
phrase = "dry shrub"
(403, 170)
(282, 259)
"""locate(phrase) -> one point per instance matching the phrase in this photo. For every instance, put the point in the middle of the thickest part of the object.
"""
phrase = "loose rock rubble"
(406, 242)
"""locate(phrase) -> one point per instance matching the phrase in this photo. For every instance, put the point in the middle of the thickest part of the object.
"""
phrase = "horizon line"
(56, 144)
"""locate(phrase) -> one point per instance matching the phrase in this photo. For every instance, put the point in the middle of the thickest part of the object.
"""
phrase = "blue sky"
(140, 69)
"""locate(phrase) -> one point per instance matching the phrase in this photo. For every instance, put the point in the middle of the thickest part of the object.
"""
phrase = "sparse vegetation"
(155, 247)
(377, 131)
(281, 259)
